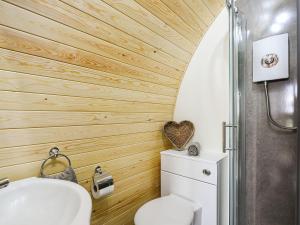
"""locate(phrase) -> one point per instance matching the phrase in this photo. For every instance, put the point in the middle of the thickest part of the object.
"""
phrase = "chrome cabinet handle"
(206, 172)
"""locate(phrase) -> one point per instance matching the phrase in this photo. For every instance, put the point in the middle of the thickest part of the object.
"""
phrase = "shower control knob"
(206, 172)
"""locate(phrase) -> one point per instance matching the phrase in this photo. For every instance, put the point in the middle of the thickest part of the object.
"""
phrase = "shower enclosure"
(237, 40)
(262, 158)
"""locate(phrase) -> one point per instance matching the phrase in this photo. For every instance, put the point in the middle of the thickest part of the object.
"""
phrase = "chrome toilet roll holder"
(103, 183)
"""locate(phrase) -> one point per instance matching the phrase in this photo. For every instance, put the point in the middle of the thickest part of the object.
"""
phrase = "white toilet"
(190, 190)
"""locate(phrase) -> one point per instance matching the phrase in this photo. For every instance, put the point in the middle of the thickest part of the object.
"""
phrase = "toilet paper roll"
(102, 192)
(103, 183)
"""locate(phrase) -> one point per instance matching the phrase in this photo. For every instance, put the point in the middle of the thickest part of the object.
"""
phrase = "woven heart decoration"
(179, 134)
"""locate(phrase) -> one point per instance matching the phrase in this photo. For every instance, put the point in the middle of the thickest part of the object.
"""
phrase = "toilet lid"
(168, 210)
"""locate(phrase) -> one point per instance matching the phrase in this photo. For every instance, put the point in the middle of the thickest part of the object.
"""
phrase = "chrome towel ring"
(53, 154)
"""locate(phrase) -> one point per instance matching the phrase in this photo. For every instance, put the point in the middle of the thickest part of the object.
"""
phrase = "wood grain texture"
(29, 119)
(188, 16)
(19, 41)
(143, 16)
(70, 16)
(24, 63)
(98, 79)
(106, 13)
(162, 11)
(47, 28)
(22, 101)
(214, 6)
(206, 8)
(19, 82)
(24, 154)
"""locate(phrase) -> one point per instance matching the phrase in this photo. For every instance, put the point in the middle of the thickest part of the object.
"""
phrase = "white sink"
(39, 201)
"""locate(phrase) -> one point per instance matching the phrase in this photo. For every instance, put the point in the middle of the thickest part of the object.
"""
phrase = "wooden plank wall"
(98, 79)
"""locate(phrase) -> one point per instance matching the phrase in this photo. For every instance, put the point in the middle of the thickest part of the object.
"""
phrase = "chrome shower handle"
(224, 134)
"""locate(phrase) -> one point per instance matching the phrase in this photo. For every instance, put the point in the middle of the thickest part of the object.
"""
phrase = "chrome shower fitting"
(272, 121)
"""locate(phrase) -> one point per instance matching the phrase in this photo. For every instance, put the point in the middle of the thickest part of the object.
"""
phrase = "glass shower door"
(235, 137)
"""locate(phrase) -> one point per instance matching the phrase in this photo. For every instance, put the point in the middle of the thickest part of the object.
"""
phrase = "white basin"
(39, 201)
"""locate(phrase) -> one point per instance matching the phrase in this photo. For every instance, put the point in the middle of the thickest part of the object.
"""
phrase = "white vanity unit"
(199, 179)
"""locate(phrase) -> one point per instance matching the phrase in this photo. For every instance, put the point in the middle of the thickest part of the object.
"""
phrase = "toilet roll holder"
(103, 183)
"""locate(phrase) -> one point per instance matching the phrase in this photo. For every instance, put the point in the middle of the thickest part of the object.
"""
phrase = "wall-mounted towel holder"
(53, 154)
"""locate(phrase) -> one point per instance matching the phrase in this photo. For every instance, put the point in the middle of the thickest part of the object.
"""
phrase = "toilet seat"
(168, 210)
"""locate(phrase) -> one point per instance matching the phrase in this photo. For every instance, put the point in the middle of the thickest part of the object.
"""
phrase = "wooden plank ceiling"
(98, 79)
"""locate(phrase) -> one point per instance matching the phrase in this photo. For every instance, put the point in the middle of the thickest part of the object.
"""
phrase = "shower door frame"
(236, 126)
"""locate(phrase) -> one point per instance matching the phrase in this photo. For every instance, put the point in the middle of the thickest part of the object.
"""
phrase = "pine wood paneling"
(8, 137)
(47, 28)
(19, 41)
(98, 79)
(162, 11)
(141, 15)
(73, 17)
(43, 102)
(125, 183)
(24, 63)
(188, 16)
(135, 188)
(12, 81)
(205, 8)
(114, 166)
(31, 153)
(28, 119)
(214, 6)
(106, 13)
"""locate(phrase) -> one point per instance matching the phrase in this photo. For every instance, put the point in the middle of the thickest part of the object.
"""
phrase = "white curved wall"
(203, 94)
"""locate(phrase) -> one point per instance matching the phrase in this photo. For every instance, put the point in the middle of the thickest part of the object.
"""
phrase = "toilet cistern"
(189, 197)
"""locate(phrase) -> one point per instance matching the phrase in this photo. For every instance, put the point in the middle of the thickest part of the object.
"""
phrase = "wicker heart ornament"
(179, 134)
